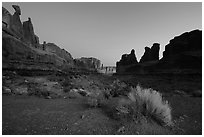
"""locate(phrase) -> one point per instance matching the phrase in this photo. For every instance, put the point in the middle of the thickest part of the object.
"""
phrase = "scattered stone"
(121, 129)
(73, 95)
(26, 81)
(82, 117)
(74, 90)
(48, 97)
(185, 116)
(122, 109)
(179, 92)
(6, 90)
(76, 123)
(20, 90)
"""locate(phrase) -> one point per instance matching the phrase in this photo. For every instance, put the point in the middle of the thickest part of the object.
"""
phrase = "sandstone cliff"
(126, 61)
(29, 34)
(21, 48)
(183, 54)
(88, 63)
(151, 54)
(184, 51)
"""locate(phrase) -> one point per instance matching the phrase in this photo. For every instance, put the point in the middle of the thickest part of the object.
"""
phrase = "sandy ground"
(64, 114)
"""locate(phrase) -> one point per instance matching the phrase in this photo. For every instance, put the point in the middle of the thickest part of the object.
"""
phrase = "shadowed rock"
(184, 51)
(29, 34)
(182, 55)
(63, 54)
(16, 25)
(126, 60)
(21, 48)
(188, 41)
(17, 9)
(151, 54)
(6, 18)
(88, 63)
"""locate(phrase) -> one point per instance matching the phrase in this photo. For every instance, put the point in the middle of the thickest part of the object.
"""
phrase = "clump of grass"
(150, 103)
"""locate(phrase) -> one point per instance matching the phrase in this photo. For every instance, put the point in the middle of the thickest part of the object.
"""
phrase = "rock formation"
(52, 48)
(189, 41)
(29, 34)
(126, 60)
(6, 18)
(151, 54)
(182, 55)
(16, 25)
(87, 63)
(184, 51)
(21, 48)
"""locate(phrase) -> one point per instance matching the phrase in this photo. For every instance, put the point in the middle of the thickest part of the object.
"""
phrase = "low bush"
(150, 103)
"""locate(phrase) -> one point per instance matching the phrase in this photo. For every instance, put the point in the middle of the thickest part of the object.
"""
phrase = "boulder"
(6, 90)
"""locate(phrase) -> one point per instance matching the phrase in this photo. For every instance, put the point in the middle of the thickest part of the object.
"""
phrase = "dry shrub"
(150, 103)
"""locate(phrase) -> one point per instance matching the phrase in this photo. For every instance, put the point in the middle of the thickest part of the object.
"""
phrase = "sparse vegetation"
(110, 102)
(96, 100)
(119, 88)
(150, 103)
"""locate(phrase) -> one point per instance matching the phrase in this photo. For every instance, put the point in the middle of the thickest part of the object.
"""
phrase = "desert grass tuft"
(150, 103)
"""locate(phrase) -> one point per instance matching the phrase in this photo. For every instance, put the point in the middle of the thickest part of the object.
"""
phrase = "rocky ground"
(84, 104)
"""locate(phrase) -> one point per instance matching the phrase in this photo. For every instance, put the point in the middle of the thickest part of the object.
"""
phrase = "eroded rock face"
(88, 63)
(52, 48)
(17, 9)
(6, 18)
(126, 60)
(29, 34)
(21, 48)
(16, 25)
(189, 41)
(151, 54)
(184, 51)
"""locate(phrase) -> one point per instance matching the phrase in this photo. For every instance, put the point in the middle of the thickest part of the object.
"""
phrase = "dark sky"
(108, 30)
